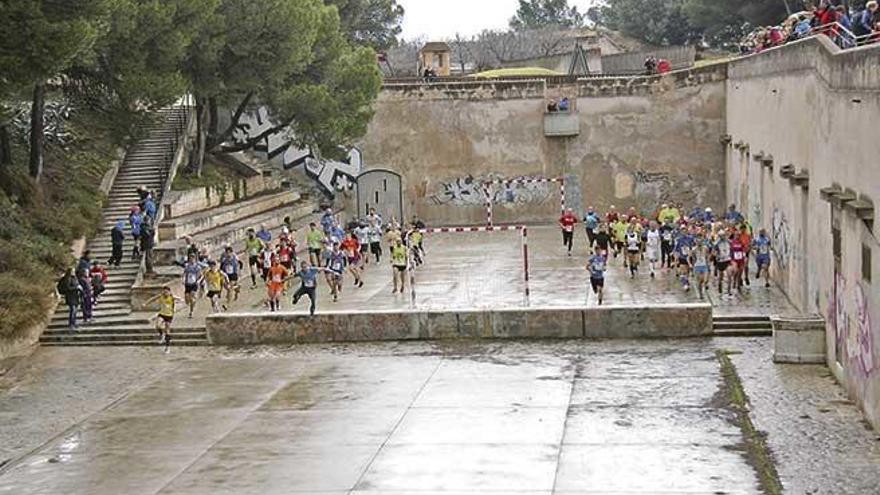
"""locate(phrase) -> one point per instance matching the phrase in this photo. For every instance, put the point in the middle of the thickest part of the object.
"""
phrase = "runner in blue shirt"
(683, 245)
(596, 265)
(591, 223)
(761, 246)
(308, 276)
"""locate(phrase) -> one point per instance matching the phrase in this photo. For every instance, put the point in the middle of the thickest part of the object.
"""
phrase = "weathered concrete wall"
(642, 141)
(816, 108)
(670, 321)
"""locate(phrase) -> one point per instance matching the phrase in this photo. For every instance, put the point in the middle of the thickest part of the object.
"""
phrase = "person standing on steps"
(567, 222)
(117, 238)
(148, 235)
(167, 308)
(68, 287)
(88, 296)
(135, 219)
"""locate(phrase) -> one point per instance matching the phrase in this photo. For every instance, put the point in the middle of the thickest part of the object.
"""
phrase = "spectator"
(117, 237)
(564, 104)
(148, 233)
(650, 65)
(68, 287)
(99, 279)
(663, 66)
(864, 20)
(552, 106)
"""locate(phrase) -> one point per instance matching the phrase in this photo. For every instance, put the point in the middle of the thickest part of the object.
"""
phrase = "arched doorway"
(381, 189)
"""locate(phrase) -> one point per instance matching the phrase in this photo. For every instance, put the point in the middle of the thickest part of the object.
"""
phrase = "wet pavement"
(485, 270)
(466, 417)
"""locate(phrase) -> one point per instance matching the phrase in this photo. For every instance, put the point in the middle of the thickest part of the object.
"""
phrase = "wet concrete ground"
(485, 270)
(537, 417)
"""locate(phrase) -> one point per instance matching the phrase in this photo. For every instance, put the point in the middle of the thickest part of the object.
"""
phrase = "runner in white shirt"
(652, 246)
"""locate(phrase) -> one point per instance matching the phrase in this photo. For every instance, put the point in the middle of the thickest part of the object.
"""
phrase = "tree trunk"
(37, 111)
(5, 146)
(212, 107)
(197, 160)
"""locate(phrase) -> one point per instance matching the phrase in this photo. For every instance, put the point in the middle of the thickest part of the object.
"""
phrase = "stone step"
(195, 223)
(129, 343)
(741, 325)
(99, 329)
(234, 233)
(724, 318)
(103, 323)
(105, 314)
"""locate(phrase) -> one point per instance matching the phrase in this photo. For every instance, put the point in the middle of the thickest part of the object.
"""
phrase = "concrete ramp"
(608, 322)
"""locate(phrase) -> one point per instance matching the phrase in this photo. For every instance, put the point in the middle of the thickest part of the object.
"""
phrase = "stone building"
(435, 55)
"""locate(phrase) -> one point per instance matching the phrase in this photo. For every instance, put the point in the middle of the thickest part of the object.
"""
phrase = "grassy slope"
(38, 222)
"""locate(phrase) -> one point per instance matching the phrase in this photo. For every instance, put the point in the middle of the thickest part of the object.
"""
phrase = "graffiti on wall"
(853, 329)
(469, 191)
(331, 175)
(781, 236)
(653, 188)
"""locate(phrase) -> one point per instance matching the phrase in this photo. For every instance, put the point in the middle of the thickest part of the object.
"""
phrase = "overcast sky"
(441, 19)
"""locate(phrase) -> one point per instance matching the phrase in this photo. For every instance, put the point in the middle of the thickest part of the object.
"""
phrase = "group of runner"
(698, 245)
(331, 249)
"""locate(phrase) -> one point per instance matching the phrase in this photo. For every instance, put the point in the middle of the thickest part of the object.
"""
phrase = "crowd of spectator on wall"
(846, 26)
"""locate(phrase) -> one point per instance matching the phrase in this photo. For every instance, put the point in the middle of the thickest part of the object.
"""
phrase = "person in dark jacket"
(85, 262)
(68, 287)
(863, 24)
(86, 295)
(147, 235)
(117, 238)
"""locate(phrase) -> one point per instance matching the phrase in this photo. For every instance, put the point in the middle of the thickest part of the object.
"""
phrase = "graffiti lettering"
(781, 238)
(469, 191)
(331, 175)
(653, 188)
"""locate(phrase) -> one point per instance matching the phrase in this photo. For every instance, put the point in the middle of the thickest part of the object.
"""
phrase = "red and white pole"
(562, 194)
(487, 190)
(525, 250)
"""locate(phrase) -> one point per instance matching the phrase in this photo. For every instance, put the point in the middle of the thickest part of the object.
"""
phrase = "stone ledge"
(610, 322)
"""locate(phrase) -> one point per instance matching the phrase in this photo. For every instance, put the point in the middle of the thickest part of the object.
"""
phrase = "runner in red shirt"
(739, 261)
(567, 221)
(352, 249)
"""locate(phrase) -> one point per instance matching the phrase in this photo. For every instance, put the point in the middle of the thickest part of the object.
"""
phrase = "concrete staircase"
(146, 164)
(741, 325)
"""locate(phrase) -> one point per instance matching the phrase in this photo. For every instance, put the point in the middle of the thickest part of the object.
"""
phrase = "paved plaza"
(485, 271)
(541, 417)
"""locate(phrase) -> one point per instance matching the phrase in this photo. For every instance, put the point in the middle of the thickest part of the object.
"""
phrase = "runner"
(231, 266)
(567, 222)
(652, 246)
(192, 277)
(761, 246)
(737, 268)
(352, 250)
(398, 266)
(315, 242)
(253, 246)
(308, 276)
(722, 252)
(591, 224)
(375, 237)
(603, 241)
(596, 265)
(276, 275)
(414, 241)
(633, 250)
(286, 255)
(266, 257)
(216, 281)
(167, 308)
(683, 245)
(619, 228)
(667, 243)
(745, 238)
(335, 271)
(362, 234)
(700, 261)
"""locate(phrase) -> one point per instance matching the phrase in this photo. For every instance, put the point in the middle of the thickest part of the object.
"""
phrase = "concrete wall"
(671, 321)
(816, 108)
(643, 140)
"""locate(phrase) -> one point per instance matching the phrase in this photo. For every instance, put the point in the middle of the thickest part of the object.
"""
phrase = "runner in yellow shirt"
(167, 308)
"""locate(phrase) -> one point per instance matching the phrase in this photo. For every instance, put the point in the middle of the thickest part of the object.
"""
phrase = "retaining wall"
(617, 322)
